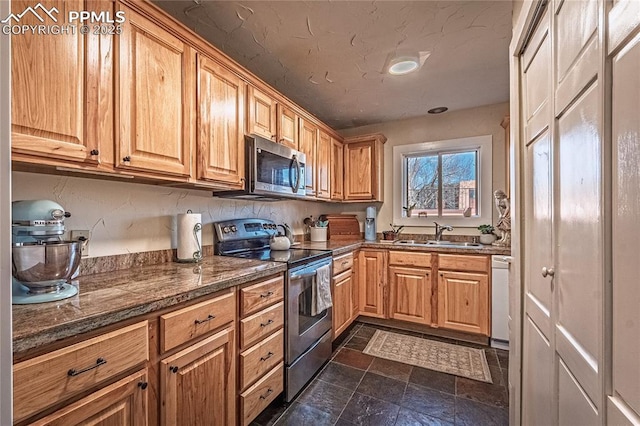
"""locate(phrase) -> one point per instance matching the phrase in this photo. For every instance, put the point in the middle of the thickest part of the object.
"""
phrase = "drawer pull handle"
(173, 369)
(267, 294)
(143, 385)
(209, 318)
(269, 355)
(266, 323)
(73, 372)
(345, 263)
(269, 392)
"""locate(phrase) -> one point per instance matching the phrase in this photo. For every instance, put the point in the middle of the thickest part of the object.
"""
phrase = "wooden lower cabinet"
(410, 294)
(122, 403)
(199, 383)
(342, 305)
(463, 302)
(355, 287)
(372, 282)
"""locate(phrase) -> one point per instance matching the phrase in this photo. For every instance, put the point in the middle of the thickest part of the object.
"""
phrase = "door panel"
(537, 390)
(308, 143)
(580, 275)
(410, 294)
(575, 406)
(463, 302)
(626, 225)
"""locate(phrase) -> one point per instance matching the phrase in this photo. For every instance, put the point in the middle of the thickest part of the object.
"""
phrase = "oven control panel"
(243, 229)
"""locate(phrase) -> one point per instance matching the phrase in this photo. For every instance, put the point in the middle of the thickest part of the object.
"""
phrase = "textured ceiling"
(329, 56)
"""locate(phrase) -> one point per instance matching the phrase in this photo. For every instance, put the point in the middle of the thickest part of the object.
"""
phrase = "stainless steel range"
(308, 334)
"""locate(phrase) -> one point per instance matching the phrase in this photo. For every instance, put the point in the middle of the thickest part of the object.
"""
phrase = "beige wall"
(130, 218)
(517, 8)
(450, 125)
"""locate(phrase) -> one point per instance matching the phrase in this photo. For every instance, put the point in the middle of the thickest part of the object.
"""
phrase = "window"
(443, 180)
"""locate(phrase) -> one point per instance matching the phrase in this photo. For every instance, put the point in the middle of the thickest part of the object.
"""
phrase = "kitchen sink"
(433, 243)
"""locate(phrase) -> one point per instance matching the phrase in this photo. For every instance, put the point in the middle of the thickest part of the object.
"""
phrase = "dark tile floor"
(357, 389)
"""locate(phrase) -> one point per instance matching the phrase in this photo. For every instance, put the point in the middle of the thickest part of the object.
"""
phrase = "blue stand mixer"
(42, 264)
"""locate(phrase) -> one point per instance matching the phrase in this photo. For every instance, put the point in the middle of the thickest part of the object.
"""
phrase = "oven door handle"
(301, 276)
(295, 165)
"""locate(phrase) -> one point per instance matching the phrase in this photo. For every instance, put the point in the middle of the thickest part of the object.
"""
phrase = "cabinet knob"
(173, 369)
(95, 152)
(548, 272)
(273, 137)
(126, 159)
(143, 385)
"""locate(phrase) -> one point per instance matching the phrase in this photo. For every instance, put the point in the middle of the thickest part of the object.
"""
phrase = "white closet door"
(579, 220)
(537, 362)
(625, 398)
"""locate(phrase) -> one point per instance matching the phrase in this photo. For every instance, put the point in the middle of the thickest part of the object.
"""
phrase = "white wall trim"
(6, 350)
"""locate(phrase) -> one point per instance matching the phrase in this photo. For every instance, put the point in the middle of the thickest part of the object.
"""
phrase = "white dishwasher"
(500, 301)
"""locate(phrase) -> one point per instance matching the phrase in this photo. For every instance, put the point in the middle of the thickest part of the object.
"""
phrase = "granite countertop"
(340, 247)
(110, 297)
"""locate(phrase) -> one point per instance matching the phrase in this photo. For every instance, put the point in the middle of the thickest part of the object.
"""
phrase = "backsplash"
(132, 218)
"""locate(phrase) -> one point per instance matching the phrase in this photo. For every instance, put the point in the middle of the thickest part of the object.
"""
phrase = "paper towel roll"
(189, 237)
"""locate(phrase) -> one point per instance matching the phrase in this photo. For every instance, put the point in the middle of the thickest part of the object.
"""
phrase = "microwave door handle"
(296, 165)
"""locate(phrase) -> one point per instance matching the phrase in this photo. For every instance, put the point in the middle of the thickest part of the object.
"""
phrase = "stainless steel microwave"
(273, 172)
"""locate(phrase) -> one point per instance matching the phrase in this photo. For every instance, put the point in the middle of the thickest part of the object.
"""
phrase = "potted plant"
(487, 234)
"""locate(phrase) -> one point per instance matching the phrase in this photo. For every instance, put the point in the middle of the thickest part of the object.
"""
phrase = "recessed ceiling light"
(405, 62)
(438, 110)
(404, 65)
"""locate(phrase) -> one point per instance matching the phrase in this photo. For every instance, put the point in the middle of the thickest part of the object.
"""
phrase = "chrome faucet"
(440, 229)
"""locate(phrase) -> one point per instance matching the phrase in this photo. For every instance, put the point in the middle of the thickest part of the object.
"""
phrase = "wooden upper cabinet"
(323, 166)
(261, 114)
(287, 127)
(337, 170)
(308, 142)
(363, 164)
(220, 135)
(62, 90)
(156, 99)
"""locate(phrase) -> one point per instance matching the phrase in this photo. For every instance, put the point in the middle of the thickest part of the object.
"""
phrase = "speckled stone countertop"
(340, 247)
(110, 297)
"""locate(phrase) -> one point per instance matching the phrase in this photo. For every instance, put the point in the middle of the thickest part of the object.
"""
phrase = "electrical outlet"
(85, 237)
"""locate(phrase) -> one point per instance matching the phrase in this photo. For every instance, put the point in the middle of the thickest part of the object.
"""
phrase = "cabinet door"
(372, 282)
(342, 310)
(355, 287)
(122, 403)
(287, 127)
(198, 383)
(337, 170)
(308, 141)
(410, 298)
(323, 166)
(220, 125)
(156, 99)
(261, 114)
(62, 89)
(463, 302)
(358, 164)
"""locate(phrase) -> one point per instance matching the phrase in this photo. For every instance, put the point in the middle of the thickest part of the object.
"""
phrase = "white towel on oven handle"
(321, 292)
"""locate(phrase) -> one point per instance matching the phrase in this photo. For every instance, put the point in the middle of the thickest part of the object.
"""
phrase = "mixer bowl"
(45, 267)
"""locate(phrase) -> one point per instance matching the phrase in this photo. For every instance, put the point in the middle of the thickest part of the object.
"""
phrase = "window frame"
(484, 192)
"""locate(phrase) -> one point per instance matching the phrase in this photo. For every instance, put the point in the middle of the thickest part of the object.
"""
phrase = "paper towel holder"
(197, 255)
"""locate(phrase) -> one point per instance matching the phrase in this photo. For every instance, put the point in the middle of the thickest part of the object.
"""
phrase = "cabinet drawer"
(255, 399)
(185, 324)
(260, 324)
(261, 295)
(260, 358)
(460, 262)
(410, 258)
(342, 263)
(51, 378)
